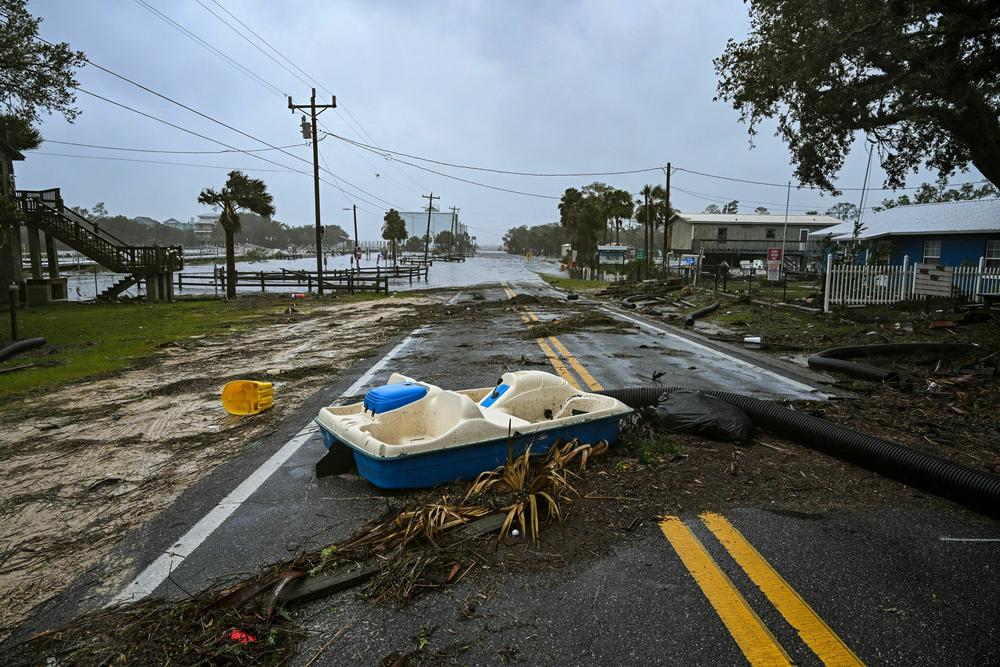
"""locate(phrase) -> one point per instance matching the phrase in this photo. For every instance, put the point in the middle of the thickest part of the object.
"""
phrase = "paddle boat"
(410, 434)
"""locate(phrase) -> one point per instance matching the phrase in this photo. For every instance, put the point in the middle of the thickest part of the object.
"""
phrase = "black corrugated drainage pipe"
(701, 312)
(20, 346)
(835, 359)
(951, 480)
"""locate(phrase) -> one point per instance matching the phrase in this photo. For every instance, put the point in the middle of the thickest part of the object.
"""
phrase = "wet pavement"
(878, 586)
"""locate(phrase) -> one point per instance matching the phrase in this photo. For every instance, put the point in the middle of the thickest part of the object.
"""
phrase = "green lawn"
(571, 284)
(87, 339)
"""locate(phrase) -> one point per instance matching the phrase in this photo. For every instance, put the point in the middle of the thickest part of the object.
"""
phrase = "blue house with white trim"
(953, 233)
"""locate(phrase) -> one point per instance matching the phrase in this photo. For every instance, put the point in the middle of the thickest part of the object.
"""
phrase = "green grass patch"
(572, 284)
(88, 339)
(649, 449)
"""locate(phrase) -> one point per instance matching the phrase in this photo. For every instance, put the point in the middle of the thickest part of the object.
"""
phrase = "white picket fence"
(853, 285)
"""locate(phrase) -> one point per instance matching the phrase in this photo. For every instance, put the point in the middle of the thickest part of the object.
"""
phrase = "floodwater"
(486, 267)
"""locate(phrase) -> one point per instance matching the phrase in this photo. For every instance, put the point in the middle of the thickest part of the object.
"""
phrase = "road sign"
(640, 254)
(774, 254)
(773, 270)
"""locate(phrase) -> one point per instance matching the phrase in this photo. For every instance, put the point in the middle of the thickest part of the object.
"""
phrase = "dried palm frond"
(539, 484)
(426, 522)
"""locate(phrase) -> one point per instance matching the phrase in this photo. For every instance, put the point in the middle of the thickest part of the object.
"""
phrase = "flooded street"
(487, 266)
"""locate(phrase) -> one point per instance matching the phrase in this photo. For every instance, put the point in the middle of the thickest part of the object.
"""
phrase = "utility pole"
(454, 227)
(312, 107)
(427, 236)
(645, 234)
(357, 246)
(666, 220)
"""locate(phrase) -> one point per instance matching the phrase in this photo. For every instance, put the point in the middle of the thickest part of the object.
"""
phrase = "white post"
(979, 279)
(826, 288)
(902, 282)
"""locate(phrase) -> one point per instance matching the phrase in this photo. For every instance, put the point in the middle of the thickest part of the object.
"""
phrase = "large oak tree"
(919, 78)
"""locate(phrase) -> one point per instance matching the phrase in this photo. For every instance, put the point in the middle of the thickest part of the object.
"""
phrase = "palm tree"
(393, 229)
(619, 207)
(240, 193)
(652, 213)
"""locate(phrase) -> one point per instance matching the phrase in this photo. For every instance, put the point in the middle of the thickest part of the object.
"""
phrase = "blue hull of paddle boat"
(467, 461)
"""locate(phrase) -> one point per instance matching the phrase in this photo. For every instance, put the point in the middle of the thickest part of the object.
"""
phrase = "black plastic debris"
(701, 414)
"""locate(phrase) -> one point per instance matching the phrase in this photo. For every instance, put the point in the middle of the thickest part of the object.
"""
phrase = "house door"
(803, 239)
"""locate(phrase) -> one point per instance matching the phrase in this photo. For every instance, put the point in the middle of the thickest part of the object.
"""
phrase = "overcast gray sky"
(525, 86)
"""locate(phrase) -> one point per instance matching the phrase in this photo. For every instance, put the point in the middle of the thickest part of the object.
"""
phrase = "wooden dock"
(368, 279)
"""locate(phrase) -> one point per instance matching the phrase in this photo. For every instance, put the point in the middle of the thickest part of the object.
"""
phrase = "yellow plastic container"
(247, 397)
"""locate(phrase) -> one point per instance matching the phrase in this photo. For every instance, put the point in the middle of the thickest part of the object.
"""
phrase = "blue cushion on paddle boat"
(392, 396)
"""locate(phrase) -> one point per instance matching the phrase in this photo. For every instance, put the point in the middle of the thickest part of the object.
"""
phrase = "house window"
(803, 235)
(932, 251)
(769, 232)
(721, 238)
(993, 253)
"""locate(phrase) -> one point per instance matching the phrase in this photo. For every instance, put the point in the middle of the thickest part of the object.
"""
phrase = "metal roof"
(757, 219)
(974, 216)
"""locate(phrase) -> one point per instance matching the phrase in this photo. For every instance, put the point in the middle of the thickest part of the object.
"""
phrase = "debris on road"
(415, 551)
(701, 414)
(247, 397)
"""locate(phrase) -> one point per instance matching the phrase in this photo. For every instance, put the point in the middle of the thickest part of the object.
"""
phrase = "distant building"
(747, 236)
(177, 224)
(146, 220)
(946, 233)
(204, 226)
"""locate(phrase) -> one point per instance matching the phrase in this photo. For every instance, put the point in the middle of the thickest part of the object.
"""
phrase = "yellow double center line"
(757, 642)
(552, 348)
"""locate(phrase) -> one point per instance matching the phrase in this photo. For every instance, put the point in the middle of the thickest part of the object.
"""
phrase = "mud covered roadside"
(944, 404)
(86, 463)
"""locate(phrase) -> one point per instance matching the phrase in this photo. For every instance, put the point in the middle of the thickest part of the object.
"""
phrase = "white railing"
(853, 285)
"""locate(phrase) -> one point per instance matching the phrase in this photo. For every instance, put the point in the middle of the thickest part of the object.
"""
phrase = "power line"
(202, 136)
(266, 43)
(230, 127)
(724, 198)
(390, 154)
(179, 164)
(174, 152)
(250, 42)
(482, 185)
(350, 117)
(219, 122)
(198, 40)
(808, 187)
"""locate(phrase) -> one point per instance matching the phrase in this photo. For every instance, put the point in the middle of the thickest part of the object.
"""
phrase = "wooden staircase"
(44, 210)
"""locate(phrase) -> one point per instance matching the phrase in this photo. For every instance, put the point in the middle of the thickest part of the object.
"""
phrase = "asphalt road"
(880, 586)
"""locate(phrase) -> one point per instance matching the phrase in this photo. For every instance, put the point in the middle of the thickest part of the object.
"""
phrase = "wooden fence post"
(902, 282)
(828, 283)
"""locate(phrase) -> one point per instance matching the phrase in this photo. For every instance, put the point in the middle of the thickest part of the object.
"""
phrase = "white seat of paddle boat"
(522, 402)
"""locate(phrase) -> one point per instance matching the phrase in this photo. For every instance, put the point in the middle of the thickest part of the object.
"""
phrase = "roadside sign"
(773, 270)
(774, 255)
(689, 260)
(932, 280)
(640, 254)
